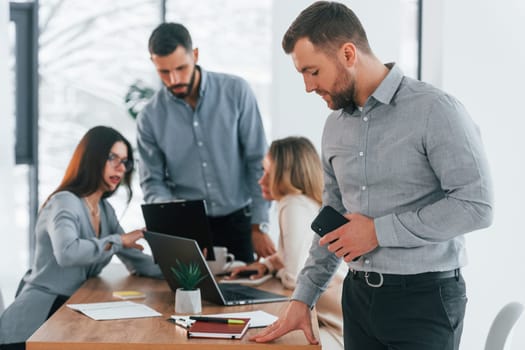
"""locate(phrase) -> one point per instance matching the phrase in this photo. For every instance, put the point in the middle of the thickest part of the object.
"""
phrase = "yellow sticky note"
(128, 294)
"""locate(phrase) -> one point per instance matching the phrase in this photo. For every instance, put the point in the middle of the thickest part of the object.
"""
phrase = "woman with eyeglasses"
(77, 234)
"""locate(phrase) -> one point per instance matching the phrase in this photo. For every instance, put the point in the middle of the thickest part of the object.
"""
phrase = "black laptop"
(167, 249)
(183, 218)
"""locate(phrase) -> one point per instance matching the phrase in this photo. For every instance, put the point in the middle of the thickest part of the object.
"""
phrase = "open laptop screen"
(168, 249)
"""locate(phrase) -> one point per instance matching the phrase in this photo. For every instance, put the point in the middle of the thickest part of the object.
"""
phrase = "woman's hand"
(129, 240)
(260, 268)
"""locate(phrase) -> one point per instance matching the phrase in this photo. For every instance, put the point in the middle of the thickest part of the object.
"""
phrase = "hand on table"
(297, 315)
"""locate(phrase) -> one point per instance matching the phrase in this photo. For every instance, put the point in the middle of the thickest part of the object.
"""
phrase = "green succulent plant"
(189, 276)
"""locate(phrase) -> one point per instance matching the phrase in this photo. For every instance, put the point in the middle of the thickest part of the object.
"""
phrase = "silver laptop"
(167, 249)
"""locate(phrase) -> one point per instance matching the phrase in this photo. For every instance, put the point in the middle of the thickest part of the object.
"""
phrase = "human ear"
(195, 54)
(349, 53)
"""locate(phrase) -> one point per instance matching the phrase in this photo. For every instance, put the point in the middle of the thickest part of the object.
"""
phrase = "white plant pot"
(188, 301)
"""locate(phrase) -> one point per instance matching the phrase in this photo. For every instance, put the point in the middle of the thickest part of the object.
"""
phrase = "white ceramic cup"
(223, 260)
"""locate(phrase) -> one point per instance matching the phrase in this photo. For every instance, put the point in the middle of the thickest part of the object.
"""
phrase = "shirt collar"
(385, 92)
(387, 89)
(204, 80)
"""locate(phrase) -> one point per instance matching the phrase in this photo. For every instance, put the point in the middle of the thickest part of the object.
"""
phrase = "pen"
(181, 322)
(216, 319)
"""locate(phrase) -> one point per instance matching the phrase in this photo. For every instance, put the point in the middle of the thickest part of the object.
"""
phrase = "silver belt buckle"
(376, 285)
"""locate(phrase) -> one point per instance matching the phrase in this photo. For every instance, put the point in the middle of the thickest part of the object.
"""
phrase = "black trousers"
(409, 315)
(234, 231)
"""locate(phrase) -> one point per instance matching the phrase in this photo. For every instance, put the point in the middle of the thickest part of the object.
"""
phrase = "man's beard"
(343, 89)
(189, 86)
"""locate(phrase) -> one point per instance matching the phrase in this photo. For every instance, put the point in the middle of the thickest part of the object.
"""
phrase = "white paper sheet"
(247, 281)
(257, 318)
(115, 310)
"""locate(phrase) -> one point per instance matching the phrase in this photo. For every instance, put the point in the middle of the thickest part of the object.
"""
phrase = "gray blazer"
(67, 254)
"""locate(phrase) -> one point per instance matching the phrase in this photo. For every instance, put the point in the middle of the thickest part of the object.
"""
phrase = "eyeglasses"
(115, 162)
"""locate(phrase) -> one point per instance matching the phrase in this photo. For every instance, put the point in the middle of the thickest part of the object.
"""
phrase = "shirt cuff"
(385, 231)
(115, 241)
(306, 293)
(260, 213)
(269, 266)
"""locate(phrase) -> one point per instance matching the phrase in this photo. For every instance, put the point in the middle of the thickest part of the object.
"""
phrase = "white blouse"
(295, 213)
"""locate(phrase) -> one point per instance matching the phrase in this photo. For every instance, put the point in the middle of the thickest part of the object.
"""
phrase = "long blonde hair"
(296, 168)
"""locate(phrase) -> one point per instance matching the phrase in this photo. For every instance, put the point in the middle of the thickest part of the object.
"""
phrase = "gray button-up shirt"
(213, 152)
(412, 159)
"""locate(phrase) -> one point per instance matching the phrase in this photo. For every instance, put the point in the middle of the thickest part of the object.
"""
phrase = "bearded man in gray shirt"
(201, 137)
(405, 163)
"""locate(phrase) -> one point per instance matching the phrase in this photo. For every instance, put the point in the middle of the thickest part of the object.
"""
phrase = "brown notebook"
(206, 329)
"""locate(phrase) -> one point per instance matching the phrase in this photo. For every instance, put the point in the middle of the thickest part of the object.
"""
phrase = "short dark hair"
(84, 173)
(328, 25)
(167, 37)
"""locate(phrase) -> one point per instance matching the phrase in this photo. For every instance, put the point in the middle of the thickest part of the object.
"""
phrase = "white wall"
(483, 56)
(293, 111)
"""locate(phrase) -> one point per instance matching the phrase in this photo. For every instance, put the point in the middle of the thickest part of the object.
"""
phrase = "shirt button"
(208, 184)
(204, 164)
(199, 143)
(195, 123)
(361, 154)
(363, 188)
(365, 119)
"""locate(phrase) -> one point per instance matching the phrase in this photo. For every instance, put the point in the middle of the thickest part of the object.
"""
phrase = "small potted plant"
(188, 296)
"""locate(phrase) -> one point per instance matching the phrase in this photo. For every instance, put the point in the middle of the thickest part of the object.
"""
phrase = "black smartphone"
(247, 273)
(328, 220)
(242, 273)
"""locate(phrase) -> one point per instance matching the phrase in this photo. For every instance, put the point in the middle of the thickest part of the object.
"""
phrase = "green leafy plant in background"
(137, 96)
(189, 276)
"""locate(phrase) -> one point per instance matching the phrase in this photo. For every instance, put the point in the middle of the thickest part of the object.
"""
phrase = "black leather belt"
(376, 279)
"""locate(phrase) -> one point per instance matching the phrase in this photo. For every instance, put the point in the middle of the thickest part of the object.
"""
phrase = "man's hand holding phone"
(348, 236)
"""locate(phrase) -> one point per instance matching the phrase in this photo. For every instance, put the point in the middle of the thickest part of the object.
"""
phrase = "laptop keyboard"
(236, 292)
(234, 296)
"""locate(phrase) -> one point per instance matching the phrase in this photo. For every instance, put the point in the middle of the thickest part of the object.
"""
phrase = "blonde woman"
(293, 177)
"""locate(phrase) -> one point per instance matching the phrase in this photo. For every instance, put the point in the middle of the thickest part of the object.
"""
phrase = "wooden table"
(68, 329)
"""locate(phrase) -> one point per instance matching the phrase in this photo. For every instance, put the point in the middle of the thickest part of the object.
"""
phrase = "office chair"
(502, 326)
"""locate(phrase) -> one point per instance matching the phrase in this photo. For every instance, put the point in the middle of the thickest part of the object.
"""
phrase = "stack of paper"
(115, 310)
